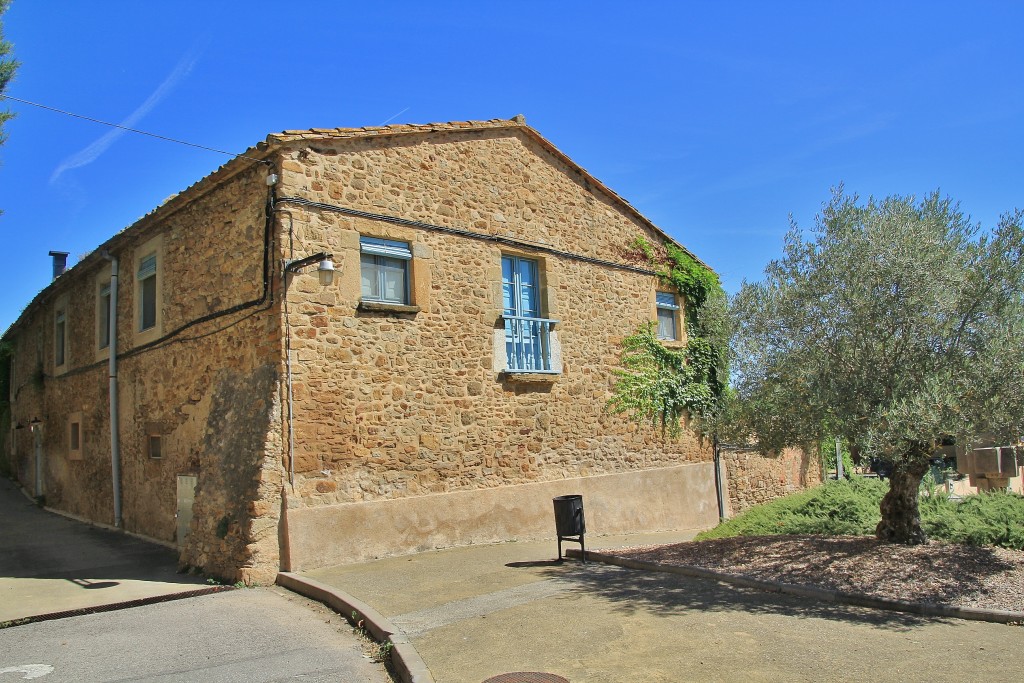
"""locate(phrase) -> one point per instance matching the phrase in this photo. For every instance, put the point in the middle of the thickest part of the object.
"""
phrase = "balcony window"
(527, 335)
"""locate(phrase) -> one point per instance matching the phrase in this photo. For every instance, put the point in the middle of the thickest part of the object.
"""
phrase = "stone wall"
(752, 478)
(208, 392)
(392, 405)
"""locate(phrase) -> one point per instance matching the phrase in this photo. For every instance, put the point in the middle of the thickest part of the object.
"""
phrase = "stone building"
(440, 390)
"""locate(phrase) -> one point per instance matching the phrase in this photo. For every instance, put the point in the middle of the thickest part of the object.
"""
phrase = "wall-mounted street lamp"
(325, 269)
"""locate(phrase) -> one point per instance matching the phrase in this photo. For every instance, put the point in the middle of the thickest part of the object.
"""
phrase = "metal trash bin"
(570, 522)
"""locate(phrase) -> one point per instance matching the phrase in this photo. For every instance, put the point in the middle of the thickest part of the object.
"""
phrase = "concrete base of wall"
(666, 499)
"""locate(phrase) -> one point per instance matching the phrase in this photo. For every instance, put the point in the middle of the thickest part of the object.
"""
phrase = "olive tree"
(897, 324)
(7, 68)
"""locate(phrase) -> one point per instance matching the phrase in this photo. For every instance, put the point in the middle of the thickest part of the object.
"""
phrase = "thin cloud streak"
(97, 148)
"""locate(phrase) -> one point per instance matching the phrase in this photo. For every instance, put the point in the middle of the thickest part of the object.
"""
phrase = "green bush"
(842, 507)
(985, 519)
(852, 508)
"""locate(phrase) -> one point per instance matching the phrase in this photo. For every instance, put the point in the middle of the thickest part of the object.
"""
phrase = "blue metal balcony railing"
(528, 343)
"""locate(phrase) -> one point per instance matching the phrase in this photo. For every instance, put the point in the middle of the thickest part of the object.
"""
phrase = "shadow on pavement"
(51, 564)
(665, 594)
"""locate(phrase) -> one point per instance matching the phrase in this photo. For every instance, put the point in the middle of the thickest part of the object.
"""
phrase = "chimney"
(60, 263)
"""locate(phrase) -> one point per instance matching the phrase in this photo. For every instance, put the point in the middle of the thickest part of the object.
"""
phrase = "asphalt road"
(254, 635)
(49, 564)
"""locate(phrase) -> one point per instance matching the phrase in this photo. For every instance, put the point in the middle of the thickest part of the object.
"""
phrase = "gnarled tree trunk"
(901, 519)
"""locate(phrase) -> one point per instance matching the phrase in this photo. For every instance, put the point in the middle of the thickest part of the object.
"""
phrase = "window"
(154, 446)
(668, 314)
(12, 378)
(60, 337)
(147, 292)
(527, 335)
(103, 316)
(384, 266)
(74, 435)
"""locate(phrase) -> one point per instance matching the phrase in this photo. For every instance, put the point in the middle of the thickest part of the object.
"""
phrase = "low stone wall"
(663, 499)
(752, 478)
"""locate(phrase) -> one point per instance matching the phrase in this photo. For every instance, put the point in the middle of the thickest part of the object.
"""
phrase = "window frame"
(159, 450)
(75, 451)
(377, 251)
(526, 333)
(144, 275)
(152, 248)
(61, 335)
(103, 316)
(673, 307)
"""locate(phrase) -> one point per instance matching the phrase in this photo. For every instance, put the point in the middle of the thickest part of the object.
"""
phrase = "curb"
(114, 606)
(407, 661)
(856, 599)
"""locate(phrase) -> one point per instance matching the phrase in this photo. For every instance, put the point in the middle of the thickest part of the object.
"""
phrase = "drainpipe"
(115, 440)
(288, 374)
(37, 447)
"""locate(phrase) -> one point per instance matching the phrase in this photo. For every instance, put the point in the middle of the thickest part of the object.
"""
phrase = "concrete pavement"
(481, 611)
(49, 563)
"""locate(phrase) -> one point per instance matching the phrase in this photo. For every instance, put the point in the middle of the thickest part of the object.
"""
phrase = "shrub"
(985, 519)
(852, 508)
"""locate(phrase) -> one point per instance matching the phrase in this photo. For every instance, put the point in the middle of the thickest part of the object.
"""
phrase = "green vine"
(664, 386)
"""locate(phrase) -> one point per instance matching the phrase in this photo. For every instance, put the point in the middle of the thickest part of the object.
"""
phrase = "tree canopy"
(896, 324)
(7, 68)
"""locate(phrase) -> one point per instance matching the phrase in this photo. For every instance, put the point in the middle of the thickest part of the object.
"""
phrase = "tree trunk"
(901, 519)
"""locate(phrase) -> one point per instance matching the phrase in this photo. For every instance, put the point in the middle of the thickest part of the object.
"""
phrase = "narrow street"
(50, 564)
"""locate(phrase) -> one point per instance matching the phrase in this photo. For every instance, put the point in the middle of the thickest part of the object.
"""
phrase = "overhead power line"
(132, 130)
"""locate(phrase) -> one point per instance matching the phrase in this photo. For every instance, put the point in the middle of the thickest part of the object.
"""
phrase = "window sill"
(380, 307)
(673, 343)
(530, 377)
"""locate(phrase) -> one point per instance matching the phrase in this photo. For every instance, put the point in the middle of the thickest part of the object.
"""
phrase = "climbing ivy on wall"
(665, 386)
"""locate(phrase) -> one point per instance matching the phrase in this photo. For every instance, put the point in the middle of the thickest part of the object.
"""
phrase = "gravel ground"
(938, 573)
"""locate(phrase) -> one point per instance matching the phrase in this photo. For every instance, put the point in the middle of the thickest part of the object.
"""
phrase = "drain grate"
(527, 677)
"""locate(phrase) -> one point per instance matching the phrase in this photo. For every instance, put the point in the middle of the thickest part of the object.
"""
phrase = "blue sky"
(716, 120)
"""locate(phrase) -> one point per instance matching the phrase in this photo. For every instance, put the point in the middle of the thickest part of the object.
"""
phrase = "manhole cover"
(527, 677)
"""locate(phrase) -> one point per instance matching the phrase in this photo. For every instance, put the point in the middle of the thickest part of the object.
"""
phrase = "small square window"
(384, 270)
(668, 315)
(74, 436)
(154, 446)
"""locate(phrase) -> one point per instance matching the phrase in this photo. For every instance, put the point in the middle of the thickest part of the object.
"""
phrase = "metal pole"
(839, 461)
(37, 434)
(718, 480)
